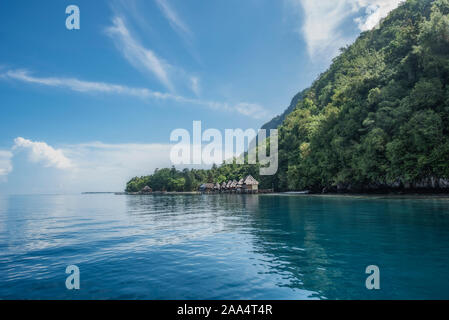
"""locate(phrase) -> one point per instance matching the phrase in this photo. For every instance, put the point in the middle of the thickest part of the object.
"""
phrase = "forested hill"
(277, 121)
(379, 117)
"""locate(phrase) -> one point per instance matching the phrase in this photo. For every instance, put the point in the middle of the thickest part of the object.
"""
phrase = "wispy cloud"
(174, 20)
(324, 20)
(248, 109)
(135, 10)
(78, 85)
(321, 25)
(252, 110)
(43, 153)
(195, 85)
(137, 55)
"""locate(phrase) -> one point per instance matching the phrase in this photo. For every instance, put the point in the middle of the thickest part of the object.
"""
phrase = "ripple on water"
(222, 247)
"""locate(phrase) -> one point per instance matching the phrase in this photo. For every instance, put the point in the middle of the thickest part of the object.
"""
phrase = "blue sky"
(87, 109)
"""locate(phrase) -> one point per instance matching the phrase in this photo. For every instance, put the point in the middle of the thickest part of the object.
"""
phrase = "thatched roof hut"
(250, 184)
(147, 189)
(249, 180)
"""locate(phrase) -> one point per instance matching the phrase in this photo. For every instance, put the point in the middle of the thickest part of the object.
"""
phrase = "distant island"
(376, 121)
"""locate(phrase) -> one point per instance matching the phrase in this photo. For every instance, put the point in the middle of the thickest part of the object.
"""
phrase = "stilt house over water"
(246, 185)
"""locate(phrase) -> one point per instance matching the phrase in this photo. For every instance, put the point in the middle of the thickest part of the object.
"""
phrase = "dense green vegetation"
(190, 180)
(379, 117)
(277, 121)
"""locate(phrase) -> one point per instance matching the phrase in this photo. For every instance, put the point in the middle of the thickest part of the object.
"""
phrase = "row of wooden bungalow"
(246, 185)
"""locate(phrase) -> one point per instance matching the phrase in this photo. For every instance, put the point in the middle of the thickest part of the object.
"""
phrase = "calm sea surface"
(223, 247)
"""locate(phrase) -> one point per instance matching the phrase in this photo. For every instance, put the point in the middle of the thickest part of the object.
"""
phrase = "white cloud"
(5, 163)
(93, 166)
(251, 109)
(248, 109)
(138, 56)
(107, 167)
(78, 85)
(375, 11)
(175, 22)
(321, 25)
(135, 9)
(323, 22)
(145, 60)
(43, 153)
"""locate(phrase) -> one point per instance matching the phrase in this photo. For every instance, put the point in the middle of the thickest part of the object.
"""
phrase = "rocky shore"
(425, 186)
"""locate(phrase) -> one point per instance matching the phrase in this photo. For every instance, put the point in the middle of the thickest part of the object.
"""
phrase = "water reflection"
(222, 246)
(327, 243)
(249, 217)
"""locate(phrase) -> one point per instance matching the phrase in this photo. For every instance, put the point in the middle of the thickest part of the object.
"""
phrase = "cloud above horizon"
(107, 167)
(5, 163)
(40, 152)
(93, 166)
(322, 27)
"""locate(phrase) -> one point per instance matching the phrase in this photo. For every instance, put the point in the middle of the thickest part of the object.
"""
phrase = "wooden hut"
(250, 184)
(146, 190)
(234, 185)
(240, 185)
(207, 187)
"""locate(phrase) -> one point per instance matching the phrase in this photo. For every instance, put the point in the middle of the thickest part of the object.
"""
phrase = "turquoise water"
(223, 247)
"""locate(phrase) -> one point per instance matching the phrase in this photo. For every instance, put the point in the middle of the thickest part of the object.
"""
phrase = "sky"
(86, 110)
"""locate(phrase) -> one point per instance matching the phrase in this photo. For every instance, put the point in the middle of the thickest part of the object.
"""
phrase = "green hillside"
(277, 121)
(377, 119)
